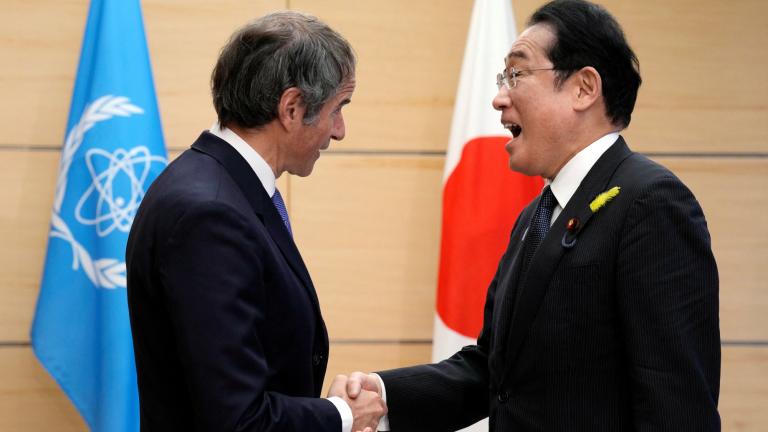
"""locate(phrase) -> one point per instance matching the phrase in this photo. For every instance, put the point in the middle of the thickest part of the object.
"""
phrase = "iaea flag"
(113, 150)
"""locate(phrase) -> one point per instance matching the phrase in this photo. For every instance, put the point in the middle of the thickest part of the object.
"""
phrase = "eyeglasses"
(509, 79)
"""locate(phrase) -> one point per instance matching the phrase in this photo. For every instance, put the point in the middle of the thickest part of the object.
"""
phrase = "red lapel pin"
(572, 225)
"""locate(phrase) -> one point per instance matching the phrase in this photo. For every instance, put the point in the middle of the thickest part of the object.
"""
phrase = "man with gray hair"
(226, 323)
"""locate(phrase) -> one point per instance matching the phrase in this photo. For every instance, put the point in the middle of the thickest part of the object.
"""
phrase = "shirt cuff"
(384, 421)
(344, 411)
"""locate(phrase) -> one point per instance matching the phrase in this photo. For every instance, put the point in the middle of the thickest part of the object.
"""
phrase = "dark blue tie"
(539, 225)
(537, 230)
(277, 200)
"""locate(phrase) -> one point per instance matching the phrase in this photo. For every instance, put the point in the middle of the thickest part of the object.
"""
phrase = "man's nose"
(339, 129)
(501, 100)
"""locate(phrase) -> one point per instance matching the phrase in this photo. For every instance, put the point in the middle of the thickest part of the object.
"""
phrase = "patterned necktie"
(539, 225)
(277, 200)
(537, 230)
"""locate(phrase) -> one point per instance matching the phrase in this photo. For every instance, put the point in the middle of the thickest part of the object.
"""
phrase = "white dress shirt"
(267, 177)
(569, 178)
(563, 187)
(258, 164)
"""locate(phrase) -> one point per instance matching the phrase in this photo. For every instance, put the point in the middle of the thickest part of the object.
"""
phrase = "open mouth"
(514, 128)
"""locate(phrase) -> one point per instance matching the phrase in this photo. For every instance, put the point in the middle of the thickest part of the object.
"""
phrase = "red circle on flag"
(481, 200)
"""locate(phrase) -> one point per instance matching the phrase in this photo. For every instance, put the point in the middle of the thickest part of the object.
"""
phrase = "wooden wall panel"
(409, 56)
(368, 229)
(703, 67)
(732, 193)
(28, 179)
(744, 389)
(40, 42)
(30, 400)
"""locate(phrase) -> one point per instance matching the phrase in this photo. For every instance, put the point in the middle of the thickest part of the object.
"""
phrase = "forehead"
(532, 45)
(347, 88)
(342, 96)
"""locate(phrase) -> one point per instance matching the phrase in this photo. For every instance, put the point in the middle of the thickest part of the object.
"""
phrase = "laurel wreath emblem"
(106, 272)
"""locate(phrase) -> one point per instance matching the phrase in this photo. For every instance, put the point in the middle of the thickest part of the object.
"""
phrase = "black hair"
(587, 35)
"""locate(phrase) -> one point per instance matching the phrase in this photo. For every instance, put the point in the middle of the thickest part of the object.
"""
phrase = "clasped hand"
(363, 395)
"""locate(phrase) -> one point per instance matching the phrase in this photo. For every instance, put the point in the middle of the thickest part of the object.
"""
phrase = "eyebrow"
(342, 103)
(516, 54)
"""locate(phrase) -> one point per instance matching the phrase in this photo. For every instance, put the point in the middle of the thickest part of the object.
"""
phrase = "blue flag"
(113, 150)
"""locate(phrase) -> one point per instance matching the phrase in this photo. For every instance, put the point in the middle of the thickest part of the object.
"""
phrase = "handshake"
(363, 394)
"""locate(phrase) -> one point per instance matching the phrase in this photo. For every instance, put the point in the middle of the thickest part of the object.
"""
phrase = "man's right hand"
(359, 381)
(367, 406)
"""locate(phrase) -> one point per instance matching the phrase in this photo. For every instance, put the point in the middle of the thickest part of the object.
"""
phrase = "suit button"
(503, 397)
(316, 359)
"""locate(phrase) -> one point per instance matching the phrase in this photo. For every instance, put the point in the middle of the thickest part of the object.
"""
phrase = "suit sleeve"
(448, 395)
(212, 271)
(668, 301)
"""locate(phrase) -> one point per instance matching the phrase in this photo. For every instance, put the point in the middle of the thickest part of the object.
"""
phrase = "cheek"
(542, 118)
(324, 131)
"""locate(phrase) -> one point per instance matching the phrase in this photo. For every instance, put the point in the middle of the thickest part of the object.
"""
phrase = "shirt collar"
(254, 159)
(571, 175)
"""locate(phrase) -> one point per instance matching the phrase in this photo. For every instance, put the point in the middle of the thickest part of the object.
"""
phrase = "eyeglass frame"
(502, 79)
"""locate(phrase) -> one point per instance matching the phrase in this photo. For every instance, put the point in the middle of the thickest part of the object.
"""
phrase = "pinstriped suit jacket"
(613, 328)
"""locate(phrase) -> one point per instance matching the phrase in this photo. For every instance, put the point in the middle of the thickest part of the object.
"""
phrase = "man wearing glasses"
(603, 314)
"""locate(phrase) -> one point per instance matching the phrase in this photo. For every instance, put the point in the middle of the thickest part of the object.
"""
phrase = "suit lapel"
(502, 310)
(533, 286)
(262, 205)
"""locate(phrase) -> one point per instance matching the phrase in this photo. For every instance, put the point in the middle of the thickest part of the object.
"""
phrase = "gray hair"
(275, 52)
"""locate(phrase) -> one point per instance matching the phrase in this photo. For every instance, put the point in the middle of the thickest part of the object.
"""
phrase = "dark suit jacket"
(614, 327)
(226, 323)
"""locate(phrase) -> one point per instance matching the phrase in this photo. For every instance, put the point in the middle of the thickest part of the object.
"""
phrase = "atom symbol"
(120, 187)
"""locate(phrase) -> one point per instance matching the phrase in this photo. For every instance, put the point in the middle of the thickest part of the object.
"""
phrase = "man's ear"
(588, 88)
(291, 108)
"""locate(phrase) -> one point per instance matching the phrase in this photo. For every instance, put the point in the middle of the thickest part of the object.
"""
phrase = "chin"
(306, 171)
(517, 165)
(300, 172)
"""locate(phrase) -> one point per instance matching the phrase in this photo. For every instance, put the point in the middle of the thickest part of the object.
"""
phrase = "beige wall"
(367, 221)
